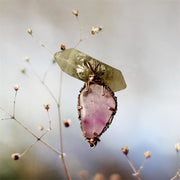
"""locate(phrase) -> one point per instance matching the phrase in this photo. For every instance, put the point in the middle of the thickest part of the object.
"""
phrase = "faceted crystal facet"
(74, 63)
(98, 106)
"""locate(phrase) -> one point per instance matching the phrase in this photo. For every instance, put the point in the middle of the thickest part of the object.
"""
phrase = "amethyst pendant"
(97, 106)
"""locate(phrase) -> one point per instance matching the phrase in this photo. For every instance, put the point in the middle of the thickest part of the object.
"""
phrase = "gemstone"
(74, 63)
(99, 105)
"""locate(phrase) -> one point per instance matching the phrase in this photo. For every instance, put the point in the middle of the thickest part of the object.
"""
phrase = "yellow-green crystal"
(74, 63)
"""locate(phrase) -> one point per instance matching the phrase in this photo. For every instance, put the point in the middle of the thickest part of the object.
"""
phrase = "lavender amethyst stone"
(97, 107)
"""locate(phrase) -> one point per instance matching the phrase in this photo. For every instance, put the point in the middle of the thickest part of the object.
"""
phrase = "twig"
(57, 101)
(42, 82)
(41, 44)
(27, 149)
(136, 173)
(80, 33)
(14, 105)
(176, 176)
(60, 127)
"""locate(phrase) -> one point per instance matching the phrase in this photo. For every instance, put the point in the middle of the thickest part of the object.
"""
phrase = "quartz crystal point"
(74, 63)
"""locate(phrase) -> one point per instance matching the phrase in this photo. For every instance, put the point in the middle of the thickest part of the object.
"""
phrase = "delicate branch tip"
(46, 106)
(40, 127)
(95, 30)
(75, 12)
(63, 47)
(67, 123)
(177, 147)
(23, 70)
(16, 87)
(147, 154)
(29, 31)
(125, 150)
(15, 156)
(26, 59)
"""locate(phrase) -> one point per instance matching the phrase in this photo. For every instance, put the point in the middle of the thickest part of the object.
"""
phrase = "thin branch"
(136, 173)
(14, 104)
(38, 138)
(27, 149)
(6, 112)
(6, 119)
(50, 127)
(41, 44)
(142, 166)
(45, 74)
(60, 127)
(42, 82)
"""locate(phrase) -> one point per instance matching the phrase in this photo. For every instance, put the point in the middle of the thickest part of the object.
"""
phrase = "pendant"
(97, 104)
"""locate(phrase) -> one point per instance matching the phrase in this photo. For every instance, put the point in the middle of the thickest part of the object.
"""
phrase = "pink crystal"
(97, 107)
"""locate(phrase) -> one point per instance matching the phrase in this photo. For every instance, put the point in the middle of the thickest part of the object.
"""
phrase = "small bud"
(95, 30)
(83, 174)
(46, 106)
(26, 59)
(16, 87)
(67, 123)
(125, 150)
(63, 47)
(100, 28)
(23, 70)
(147, 154)
(75, 12)
(29, 31)
(40, 127)
(53, 61)
(115, 177)
(99, 176)
(15, 156)
(177, 147)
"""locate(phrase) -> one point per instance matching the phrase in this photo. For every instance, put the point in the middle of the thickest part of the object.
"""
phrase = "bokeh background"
(139, 37)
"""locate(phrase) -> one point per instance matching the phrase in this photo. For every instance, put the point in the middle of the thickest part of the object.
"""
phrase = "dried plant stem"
(57, 101)
(136, 173)
(38, 138)
(28, 130)
(60, 127)
(14, 105)
(41, 44)
(142, 166)
(27, 149)
(42, 82)
(80, 33)
(176, 176)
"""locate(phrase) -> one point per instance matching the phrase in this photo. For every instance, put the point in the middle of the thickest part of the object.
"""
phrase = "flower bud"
(75, 12)
(26, 59)
(67, 123)
(177, 147)
(46, 106)
(99, 176)
(40, 127)
(16, 87)
(23, 70)
(63, 47)
(29, 31)
(147, 154)
(15, 156)
(125, 150)
(95, 30)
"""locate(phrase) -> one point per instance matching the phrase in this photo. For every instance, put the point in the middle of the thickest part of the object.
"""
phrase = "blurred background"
(141, 38)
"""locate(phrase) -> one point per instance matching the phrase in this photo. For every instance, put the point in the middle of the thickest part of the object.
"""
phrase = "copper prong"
(79, 107)
(84, 134)
(112, 109)
(103, 91)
